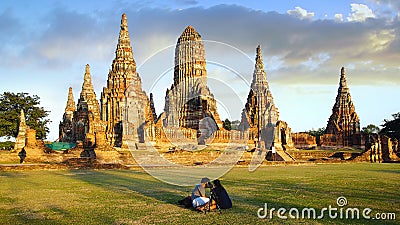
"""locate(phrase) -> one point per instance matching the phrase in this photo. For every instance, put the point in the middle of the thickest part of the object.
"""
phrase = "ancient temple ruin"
(189, 103)
(260, 108)
(126, 113)
(87, 124)
(138, 115)
(260, 114)
(82, 123)
(66, 129)
(20, 140)
(121, 75)
(343, 127)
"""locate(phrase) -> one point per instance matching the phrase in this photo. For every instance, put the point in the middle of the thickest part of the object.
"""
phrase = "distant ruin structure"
(260, 115)
(343, 127)
(82, 123)
(66, 128)
(20, 140)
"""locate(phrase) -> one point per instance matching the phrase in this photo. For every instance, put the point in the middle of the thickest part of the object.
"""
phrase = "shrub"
(7, 145)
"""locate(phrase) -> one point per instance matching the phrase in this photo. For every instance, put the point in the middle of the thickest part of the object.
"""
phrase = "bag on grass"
(187, 202)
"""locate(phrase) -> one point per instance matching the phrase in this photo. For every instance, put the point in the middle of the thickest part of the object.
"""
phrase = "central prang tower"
(121, 75)
(189, 100)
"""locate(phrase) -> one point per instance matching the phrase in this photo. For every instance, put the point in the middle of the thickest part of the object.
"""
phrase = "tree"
(370, 129)
(227, 124)
(391, 128)
(235, 124)
(317, 133)
(10, 108)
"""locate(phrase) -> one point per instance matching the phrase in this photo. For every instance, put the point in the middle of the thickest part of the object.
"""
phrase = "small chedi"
(26, 139)
(82, 123)
(261, 116)
(343, 127)
(66, 127)
(88, 126)
(20, 140)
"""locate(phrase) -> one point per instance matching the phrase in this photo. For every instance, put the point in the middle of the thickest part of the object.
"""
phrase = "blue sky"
(45, 46)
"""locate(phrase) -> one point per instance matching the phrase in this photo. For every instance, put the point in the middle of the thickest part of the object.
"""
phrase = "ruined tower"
(260, 108)
(20, 140)
(86, 118)
(260, 115)
(344, 120)
(153, 109)
(189, 100)
(121, 75)
(138, 118)
(66, 126)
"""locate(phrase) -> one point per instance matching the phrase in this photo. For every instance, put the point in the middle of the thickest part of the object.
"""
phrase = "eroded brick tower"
(86, 120)
(120, 76)
(260, 114)
(66, 125)
(189, 100)
(344, 120)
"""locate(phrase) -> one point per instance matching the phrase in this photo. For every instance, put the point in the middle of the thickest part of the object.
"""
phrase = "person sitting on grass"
(199, 198)
(22, 155)
(223, 200)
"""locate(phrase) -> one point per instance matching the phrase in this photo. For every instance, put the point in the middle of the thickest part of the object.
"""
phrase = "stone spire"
(70, 107)
(65, 127)
(343, 83)
(87, 95)
(22, 121)
(20, 140)
(259, 74)
(121, 76)
(260, 107)
(153, 109)
(86, 119)
(344, 119)
(189, 100)
(123, 53)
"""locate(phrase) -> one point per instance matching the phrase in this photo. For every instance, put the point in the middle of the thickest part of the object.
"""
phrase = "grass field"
(134, 197)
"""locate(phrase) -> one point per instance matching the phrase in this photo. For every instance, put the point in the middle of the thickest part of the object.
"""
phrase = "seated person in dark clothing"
(223, 199)
(22, 155)
(199, 199)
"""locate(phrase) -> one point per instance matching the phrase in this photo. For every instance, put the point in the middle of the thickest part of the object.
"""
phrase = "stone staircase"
(284, 155)
(140, 146)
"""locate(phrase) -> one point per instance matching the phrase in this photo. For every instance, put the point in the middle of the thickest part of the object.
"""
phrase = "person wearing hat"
(199, 198)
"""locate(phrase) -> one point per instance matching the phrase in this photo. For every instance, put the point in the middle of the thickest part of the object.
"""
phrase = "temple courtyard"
(66, 196)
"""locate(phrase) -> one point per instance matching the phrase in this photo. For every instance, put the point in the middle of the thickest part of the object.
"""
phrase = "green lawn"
(134, 197)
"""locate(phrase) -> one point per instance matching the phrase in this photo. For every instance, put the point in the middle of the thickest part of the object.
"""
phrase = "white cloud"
(316, 61)
(381, 40)
(301, 13)
(339, 17)
(360, 13)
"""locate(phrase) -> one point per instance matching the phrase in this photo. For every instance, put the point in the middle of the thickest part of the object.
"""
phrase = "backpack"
(187, 202)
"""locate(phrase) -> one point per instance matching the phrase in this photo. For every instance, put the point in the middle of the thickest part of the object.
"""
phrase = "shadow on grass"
(247, 195)
(134, 181)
